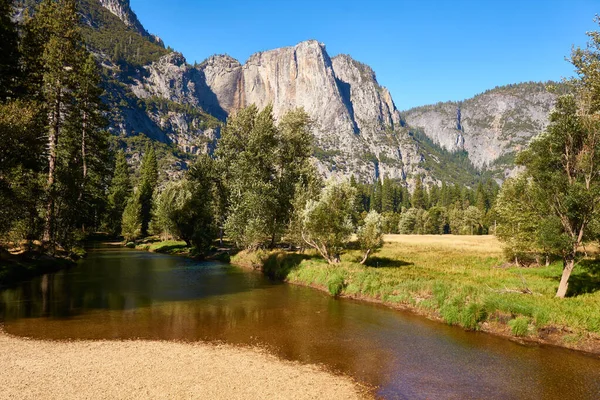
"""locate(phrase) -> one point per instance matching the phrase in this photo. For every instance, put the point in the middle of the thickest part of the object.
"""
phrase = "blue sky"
(423, 51)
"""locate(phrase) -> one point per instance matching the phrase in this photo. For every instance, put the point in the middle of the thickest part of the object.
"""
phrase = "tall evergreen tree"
(418, 196)
(148, 183)
(9, 52)
(376, 196)
(118, 194)
(54, 43)
(388, 196)
(406, 199)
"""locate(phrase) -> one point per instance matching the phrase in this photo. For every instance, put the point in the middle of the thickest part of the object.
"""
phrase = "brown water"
(124, 294)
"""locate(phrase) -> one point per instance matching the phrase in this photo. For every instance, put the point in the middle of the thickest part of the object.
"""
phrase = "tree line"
(432, 209)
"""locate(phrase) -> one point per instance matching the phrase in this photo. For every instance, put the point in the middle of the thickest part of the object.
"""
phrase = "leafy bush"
(519, 326)
(336, 284)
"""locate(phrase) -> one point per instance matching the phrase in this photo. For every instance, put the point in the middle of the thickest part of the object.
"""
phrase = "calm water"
(123, 294)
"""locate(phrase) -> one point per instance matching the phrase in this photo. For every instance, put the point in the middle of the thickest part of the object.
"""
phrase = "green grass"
(457, 279)
(167, 247)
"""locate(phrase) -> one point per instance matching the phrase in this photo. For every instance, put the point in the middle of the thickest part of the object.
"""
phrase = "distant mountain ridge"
(153, 92)
(489, 126)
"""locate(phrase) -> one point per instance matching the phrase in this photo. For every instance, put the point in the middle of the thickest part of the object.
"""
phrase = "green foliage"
(408, 221)
(118, 194)
(554, 203)
(336, 284)
(146, 187)
(519, 326)
(370, 234)
(21, 188)
(158, 104)
(263, 166)
(247, 150)
(418, 199)
(9, 51)
(327, 222)
(168, 210)
(195, 220)
(131, 223)
(390, 223)
(58, 131)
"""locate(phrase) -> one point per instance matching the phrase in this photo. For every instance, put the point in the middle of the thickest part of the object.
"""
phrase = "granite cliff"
(357, 127)
(491, 126)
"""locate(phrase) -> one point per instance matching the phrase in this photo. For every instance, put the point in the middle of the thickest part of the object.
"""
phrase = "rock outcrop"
(488, 126)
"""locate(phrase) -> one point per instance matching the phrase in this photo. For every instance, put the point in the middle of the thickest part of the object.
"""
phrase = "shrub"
(519, 326)
(336, 284)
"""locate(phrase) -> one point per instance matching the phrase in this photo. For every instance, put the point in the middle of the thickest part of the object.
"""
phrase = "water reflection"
(126, 294)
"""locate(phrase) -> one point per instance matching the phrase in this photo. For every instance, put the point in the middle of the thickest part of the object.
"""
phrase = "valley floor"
(33, 369)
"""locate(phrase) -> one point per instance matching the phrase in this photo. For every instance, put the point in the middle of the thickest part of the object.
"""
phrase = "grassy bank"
(179, 248)
(460, 280)
(174, 247)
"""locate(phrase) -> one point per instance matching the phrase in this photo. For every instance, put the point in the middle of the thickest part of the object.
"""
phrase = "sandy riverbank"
(33, 369)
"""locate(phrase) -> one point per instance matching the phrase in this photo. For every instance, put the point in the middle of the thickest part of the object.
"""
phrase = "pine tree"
(418, 196)
(445, 195)
(88, 117)
(148, 183)
(131, 223)
(434, 196)
(85, 146)
(54, 30)
(119, 193)
(388, 196)
(9, 52)
(406, 199)
(376, 196)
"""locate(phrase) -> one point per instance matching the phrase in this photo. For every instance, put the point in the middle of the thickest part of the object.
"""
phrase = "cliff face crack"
(346, 94)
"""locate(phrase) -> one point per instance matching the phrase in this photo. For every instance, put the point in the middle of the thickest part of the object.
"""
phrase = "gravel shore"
(34, 369)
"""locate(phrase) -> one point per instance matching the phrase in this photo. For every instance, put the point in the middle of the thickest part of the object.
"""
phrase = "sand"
(34, 369)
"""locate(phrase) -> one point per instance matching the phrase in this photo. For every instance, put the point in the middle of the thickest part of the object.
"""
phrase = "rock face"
(488, 126)
(357, 127)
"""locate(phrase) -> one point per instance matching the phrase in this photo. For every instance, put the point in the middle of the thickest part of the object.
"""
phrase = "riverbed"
(119, 294)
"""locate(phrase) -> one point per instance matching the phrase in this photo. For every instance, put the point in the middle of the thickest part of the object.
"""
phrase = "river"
(118, 293)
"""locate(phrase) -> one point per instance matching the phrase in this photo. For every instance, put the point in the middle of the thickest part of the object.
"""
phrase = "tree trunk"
(564, 280)
(83, 154)
(83, 148)
(364, 260)
(52, 145)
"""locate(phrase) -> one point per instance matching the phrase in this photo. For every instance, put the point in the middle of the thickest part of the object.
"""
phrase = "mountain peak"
(122, 9)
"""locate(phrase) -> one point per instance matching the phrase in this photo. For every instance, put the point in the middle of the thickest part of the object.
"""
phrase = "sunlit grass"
(461, 279)
(166, 246)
